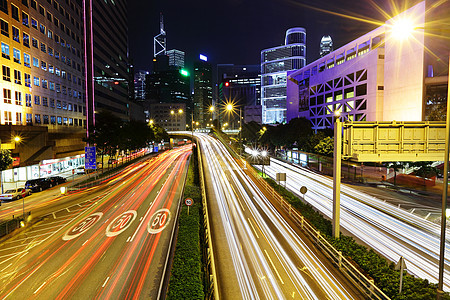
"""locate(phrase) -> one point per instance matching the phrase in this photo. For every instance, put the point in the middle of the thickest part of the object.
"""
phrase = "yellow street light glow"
(196, 123)
(229, 107)
(337, 113)
(151, 122)
(17, 139)
(180, 111)
(211, 108)
(172, 112)
(402, 29)
(264, 153)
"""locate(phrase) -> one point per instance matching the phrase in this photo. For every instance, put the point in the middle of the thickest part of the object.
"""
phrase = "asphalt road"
(388, 229)
(107, 242)
(258, 255)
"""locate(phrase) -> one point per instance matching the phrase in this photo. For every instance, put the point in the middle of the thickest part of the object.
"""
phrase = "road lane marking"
(39, 288)
(128, 239)
(5, 267)
(104, 283)
(67, 209)
(254, 230)
(273, 266)
(84, 243)
(54, 216)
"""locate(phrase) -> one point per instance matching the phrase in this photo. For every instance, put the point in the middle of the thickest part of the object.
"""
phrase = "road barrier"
(365, 285)
(213, 292)
(6, 227)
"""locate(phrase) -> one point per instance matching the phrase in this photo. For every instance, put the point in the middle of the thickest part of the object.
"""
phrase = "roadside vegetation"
(187, 277)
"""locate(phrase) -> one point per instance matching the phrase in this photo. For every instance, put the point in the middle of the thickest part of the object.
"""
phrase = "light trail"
(387, 229)
(267, 264)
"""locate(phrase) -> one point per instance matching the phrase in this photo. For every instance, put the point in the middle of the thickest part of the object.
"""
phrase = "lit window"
(26, 60)
(16, 54)
(4, 28)
(5, 50)
(26, 39)
(35, 62)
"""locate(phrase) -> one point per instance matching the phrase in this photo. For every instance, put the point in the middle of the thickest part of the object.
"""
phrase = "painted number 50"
(159, 220)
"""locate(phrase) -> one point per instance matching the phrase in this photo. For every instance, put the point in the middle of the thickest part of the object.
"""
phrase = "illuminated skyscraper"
(326, 45)
(275, 62)
(202, 89)
(159, 41)
(176, 58)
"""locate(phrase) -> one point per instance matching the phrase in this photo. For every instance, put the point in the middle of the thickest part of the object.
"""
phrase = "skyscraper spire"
(159, 41)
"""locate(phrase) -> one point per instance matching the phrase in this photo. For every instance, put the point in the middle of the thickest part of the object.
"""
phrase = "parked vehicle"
(37, 185)
(57, 180)
(15, 194)
(80, 170)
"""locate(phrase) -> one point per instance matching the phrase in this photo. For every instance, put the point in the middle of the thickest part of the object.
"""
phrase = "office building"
(202, 90)
(42, 83)
(326, 45)
(239, 85)
(275, 62)
(111, 67)
(176, 58)
(379, 76)
(139, 85)
(170, 116)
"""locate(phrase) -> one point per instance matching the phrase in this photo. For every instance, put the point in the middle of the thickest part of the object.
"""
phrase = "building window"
(59, 120)
(37, 100)
(26, 39)
(28, 100)
(4, 27)
(16, 54)
(43, 47)
(33, 4)
(27, 80)
(26, 60)
(43, 65)
(6, 73)
(34, 43)
(5, 50)
(18, 98)
(44, 101)
(70, 121)
(25, 19)
(49, 16)
(4, 6)
(57, 72)
(65, 120)
(36, 81)
(56, 54)
(51, 69)
(53, 120)
(50, 51)
(25, 2)
(51, 86)
(381, 87)
(35, 62)
(17, 77)
(56, 22)
(44, 83)
(52, 102)
(29, 119)
(15, 12)
(18, 118)
(15, 34)
(7, 96)
(64, 105)
(34, 23)
(41, 10)
(58, 104)
(45, 119)
(37, 118)
(8, 118)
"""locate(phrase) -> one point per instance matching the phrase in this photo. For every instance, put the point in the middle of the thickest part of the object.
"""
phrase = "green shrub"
(186, 279)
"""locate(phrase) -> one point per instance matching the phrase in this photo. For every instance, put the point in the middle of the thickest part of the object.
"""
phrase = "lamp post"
(337, 175)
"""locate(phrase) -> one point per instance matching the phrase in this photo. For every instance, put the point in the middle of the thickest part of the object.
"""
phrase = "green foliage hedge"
(186, 280)
(374, 265)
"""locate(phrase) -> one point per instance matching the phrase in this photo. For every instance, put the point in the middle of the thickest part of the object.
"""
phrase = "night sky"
(235, 31)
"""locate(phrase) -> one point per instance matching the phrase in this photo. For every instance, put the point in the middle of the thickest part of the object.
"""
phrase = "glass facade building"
(275, 62)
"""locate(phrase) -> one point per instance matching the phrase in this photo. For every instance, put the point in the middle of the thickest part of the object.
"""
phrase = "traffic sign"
(90, 159)
(188, 201)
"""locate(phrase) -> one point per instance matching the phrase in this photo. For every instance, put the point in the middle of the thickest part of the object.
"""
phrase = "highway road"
(258, 255)
(107, 242)
(387, 229)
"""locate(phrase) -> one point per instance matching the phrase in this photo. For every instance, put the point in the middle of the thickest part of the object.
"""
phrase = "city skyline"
(254, 26)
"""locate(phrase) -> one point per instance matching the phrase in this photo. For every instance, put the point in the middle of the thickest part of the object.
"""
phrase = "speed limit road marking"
(82, 226)
(158, 221)
(120, 223)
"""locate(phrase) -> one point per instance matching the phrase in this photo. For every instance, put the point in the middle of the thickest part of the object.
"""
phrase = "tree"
(396, 166)
(325, 146)
(5, 161)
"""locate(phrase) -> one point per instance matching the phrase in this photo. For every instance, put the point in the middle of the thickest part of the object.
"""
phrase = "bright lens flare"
(402, 29)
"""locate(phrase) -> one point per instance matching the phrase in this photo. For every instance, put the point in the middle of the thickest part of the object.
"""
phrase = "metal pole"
(440, 291)
(240, 132)
(337, 177)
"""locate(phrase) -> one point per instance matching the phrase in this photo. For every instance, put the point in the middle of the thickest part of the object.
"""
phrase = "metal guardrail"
(8, 226)
(213, 292)
(364, 284)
